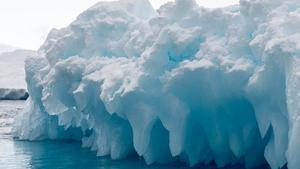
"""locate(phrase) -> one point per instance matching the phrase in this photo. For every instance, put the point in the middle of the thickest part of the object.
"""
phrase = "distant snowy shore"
(13, 94)
(12, 73)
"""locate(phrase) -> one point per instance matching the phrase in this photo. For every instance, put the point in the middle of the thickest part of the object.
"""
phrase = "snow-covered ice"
(183, 82)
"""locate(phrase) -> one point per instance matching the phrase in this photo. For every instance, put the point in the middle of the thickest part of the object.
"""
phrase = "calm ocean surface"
(57, 154)
(53, 154)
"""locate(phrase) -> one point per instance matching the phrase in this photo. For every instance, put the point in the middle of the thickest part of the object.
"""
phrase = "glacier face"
(183, 82)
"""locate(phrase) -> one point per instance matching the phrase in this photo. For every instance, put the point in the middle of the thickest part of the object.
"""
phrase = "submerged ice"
(180, 83)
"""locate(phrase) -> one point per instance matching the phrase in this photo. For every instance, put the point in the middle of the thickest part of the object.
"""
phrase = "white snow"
(184, 82)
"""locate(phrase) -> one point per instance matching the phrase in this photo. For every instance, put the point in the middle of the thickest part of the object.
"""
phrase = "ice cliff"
(180, 83)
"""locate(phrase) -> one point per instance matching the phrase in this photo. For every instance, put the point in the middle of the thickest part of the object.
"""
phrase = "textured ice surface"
(184, 82)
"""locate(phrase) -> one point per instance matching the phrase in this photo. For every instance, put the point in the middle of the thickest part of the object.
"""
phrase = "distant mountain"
(12, 74)
(7, 48)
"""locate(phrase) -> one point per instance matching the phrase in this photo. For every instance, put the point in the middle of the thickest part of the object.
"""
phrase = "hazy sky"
(25, 23)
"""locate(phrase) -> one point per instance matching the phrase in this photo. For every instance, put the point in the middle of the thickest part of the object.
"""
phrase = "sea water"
(54, 154)
(66, 154)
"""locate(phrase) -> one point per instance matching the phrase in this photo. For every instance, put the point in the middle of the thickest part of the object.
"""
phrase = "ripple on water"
(8, 110)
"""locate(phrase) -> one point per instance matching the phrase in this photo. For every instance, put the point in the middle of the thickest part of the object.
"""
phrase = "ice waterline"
(184, 82)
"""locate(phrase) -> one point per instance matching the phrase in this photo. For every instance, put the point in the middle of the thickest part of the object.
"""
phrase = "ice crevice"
(180, 83)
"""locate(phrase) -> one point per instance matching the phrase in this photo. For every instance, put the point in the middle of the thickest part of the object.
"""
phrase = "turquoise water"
(58, 154)
(62, 155)
(54, 154)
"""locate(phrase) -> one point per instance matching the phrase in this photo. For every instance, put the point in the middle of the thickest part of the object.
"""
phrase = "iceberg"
(181, 83)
